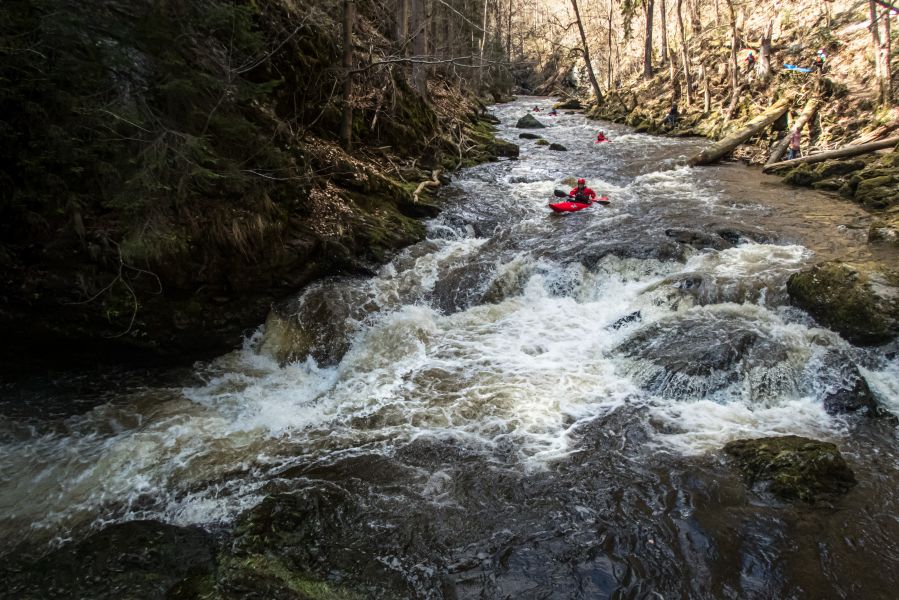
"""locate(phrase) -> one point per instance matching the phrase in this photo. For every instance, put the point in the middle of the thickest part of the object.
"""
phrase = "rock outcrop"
(863, 306)
(792, 468)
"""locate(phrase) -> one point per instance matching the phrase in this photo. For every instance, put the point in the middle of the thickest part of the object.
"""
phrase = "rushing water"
(524, 404)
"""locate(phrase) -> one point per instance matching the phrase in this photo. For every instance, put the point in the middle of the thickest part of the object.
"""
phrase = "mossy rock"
(529, 122)
(802, 175)
(139, 559)
(793, 467)
(542, 142)
(569, 104)
(558, 148)
(643, 127)
(842, 298)
(833, 168)
(884, 232)
(504, 148)
(529, 136)
(828, 185)
(879, 192)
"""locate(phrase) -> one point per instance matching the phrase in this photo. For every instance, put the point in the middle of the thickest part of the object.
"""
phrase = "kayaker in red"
(582, 193)
(601, 137)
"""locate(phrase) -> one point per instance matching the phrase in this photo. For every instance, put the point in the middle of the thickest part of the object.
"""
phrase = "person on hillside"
(601, 137)
(673, 116)
(582, 193)
(820, 60)
(750, 62)
(793, 150)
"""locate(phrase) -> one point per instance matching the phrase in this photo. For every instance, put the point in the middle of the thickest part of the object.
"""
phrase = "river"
(522, 405)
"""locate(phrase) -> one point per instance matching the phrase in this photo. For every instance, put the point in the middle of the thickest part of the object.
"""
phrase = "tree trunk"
(733, 47)
(706, 91)
(780, 147)
(763, 66)
(346, 123)
(663, 17)
(734, 102)
(875, 50)
(419, 47)
(844, 152)
(886, 66)
(609, 50)
(586, 48)
(401, 25)
(725, 146)
(685, 56)
(647, 40)
(481, 48)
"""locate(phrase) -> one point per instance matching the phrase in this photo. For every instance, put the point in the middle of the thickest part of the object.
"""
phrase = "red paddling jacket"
(582, 195)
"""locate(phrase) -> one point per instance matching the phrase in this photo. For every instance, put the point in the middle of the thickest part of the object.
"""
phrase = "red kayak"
(561, 207)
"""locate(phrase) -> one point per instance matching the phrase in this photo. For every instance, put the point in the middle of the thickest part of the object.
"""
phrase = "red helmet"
(582, 181)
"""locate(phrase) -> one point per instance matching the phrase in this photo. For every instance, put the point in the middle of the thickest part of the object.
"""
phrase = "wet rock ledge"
(792, 468)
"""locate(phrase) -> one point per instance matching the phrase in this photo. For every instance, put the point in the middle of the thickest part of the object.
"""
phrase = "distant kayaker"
(601, 137)
(582, 193)
(795, 138)
(536, 109)
(554, 113)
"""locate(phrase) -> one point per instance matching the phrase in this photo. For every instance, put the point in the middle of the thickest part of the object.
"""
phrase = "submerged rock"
(558, 147)
(529, 136)
(792, 467)
(859, 305)
(729, 356)
(529, 122)
(542, 142)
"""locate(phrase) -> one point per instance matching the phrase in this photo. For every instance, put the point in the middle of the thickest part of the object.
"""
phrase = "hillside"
(171, 169)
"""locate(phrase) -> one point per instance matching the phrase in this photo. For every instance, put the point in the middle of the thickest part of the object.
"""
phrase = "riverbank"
(157, 222)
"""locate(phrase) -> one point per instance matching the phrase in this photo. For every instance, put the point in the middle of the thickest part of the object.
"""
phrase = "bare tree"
(763, 67)
(346, 124)
(663, 18)
(419, 46)
(647, 40)
(685, 55)
(586, 49)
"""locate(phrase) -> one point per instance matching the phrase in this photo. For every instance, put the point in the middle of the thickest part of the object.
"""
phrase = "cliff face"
(170, 168)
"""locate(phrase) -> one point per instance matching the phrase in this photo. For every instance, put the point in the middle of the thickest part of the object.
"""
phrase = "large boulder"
(558, 148)
(568, 104)
(529, 121)
(529, 136)
(860, 305)
(792, 467)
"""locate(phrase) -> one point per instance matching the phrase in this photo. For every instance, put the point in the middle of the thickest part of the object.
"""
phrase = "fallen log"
(725, 146)
(433, 182)
(844, 152)
(777, 152)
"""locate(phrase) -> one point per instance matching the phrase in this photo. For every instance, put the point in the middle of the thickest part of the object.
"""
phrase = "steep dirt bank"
(170, 169)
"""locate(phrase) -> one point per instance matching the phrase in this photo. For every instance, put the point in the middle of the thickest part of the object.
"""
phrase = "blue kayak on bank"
(790, 67)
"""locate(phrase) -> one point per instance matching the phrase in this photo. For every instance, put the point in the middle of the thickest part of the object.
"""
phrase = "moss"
(793, 467)
(542, 142)
(270, 577)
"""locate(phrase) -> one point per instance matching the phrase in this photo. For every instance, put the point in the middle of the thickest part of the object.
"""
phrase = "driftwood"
(844, 152)
(725, 146)
(780, 147)
(433, 182)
